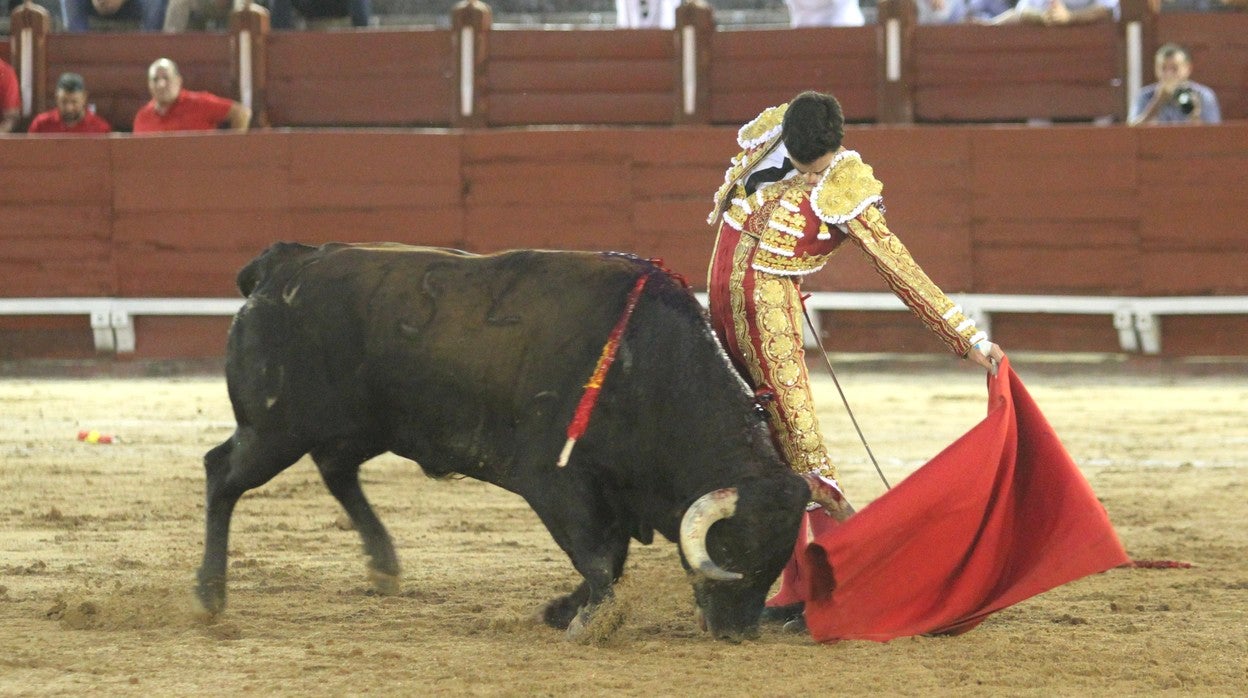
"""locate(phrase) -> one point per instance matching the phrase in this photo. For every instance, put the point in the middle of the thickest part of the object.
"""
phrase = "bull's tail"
(263, 266)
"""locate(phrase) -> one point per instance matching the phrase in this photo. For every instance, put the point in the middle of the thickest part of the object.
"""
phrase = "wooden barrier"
(894, 72)
(1060, 74)
(1065, 211)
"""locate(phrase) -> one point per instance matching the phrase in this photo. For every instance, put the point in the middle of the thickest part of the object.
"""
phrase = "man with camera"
(1175, 98)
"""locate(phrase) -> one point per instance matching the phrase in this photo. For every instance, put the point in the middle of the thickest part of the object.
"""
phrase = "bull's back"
(443, 355)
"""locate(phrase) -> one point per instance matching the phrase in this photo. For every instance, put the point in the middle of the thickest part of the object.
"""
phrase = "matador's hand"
(986, 354)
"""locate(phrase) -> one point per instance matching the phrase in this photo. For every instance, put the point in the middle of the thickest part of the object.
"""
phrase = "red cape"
(999, 516)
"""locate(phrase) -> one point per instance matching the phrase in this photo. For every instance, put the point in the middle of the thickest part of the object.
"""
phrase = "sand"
(99, 543)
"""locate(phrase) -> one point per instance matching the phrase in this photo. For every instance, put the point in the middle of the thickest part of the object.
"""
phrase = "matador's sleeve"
(847, 196)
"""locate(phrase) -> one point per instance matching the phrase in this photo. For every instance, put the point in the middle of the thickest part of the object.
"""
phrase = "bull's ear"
(263, 266)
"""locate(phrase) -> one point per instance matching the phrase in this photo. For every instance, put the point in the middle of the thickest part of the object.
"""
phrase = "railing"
(475, 75)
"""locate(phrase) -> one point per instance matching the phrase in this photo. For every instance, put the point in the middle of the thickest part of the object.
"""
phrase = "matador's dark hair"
(813, 126)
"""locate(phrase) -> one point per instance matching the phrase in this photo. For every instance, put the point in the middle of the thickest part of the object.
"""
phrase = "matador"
(781, 216)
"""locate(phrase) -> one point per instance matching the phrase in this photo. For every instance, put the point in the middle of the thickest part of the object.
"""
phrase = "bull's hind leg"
(243, 462)
(339, 464)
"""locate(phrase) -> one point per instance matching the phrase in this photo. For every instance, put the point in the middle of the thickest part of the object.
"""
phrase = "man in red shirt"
(10, 99)
(71, 114)
(175, 109)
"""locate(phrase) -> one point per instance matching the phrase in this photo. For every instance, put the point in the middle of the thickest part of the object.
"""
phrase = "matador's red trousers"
(758, 317)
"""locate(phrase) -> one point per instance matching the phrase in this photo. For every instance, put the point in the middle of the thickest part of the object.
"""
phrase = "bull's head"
(736, 541)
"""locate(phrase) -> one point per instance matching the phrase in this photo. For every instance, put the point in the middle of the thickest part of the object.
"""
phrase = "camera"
(1183, 97)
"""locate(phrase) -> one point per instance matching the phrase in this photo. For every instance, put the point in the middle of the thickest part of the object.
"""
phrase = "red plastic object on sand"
(94, 437)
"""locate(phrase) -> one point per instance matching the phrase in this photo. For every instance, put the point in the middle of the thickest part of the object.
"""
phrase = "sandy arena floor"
(98, 547)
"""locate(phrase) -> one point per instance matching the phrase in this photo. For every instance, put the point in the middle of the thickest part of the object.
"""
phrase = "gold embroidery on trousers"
(782, 367)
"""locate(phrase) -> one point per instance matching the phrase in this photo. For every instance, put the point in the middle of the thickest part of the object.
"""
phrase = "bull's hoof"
(560, 612)
(782, 614)
(209, 599)
(385, 583)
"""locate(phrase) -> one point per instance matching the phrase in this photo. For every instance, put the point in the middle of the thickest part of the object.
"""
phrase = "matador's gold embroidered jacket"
(798, 229)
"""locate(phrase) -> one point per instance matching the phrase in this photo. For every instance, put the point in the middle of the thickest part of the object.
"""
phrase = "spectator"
(1175, 98)
(1056, 13)
(179, 12)
(175, 109)
(282, 17)
(646, 14)
(825, 13)
(10, 99)
(71, 114)
(940, 11)
(150, 13)
(982, 11)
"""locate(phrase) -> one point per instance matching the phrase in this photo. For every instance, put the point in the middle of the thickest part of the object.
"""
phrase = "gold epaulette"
(757, 139)
(846, 190)
(763, 128)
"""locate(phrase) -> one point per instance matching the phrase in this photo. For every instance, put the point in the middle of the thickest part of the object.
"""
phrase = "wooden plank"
(55, 278)
(531, 44)
(1062, 233)
(1166, 142)
(406, 157)
(416, 226)
(562, 145)
(1086, 271)
(1191, 273)
(90, 155)
(683, 254)
(1113, 177)
(1062, 67)
(139, 48)
(824, 72)
(168, 155)
(1014, 102)
(1040, 205)
(1203, 335)
(1192, 218)
(794, 44)
(676, 181)
(237, 189)
(1010, 39)
(587, 108)
(205, 229)
(586, 183)
(351, 55)
(855, 331)
(60, 219)
(565, 227)
(737, 105)
(425, 99)
(45, 338)
(586, 75)
(86, 186)
(183, 273)
(683, 146)
(1055, 332)
(161, 337)
(672, 216)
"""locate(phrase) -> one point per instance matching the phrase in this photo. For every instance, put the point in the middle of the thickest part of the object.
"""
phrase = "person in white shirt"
(1056, 13)
(646, 14)
(825, 13)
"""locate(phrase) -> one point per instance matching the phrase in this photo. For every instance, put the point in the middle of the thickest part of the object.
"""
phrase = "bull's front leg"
(597, 545)
(243, 462)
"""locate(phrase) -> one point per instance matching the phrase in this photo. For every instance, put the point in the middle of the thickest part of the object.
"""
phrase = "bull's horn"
(709, 508)
(827, 494)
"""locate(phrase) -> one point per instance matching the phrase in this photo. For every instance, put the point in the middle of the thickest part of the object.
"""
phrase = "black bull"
(474, 365)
